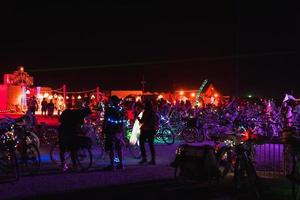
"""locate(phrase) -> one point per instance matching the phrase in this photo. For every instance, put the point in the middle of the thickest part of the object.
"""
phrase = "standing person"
(114, 129)
(44, 106)
(68, 133)
(33, 105)
(149, 127)
(60, 106)
(50, 108)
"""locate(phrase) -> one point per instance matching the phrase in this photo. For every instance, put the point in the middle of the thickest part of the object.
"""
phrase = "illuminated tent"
(211, 95)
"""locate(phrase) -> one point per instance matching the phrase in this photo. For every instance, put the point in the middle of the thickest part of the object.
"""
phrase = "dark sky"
(197, 41)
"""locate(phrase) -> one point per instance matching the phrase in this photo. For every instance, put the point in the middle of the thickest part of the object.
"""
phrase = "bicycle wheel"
(224, 161)
(55, 154)
(295, 179)
(84, 158)
(135, 150)
(9, 168)
(168, 136)
(32, 138)
(200, 136)
(50, 136)
(31, 160)
(98, 149)
(158, 136)
(189, 134)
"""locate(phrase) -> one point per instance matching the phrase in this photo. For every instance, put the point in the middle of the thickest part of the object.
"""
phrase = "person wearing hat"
(114, 129)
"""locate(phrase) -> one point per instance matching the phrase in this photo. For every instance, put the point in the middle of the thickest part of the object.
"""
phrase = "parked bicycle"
(9, 167)
(45, 134)
(28, 153)
(165, 133)
(83, 157)
(292, 141)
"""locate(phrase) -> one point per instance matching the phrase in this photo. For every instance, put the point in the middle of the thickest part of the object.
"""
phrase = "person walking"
(149, 127)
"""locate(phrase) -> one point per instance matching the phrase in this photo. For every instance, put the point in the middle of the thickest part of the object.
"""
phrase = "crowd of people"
(266, 116)
(47, 107)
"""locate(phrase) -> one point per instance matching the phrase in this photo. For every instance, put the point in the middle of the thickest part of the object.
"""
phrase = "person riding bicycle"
(114, 129)
(68, 132)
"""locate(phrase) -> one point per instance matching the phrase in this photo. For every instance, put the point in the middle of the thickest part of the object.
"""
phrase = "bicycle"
(243, 161)
(194, 131)
(27, 152)
(165, 133)
(46, 135)
(293, 151)
(9, 166)
(21, 128)
(83, 157)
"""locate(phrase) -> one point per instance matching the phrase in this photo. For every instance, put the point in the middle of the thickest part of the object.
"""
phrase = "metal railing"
(272, 159)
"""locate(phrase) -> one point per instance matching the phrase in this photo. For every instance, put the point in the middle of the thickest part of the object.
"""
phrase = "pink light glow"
(3, 97)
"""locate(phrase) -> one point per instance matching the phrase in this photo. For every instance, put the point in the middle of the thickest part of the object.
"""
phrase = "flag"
(289, 97)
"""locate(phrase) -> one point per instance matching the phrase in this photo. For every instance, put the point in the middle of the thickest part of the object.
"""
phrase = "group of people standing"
(113, 129)
(47, 108)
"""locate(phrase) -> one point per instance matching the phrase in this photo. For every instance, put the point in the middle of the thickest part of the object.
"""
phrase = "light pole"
(143, 82)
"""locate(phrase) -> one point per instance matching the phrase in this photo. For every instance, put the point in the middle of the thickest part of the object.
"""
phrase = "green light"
(199, 91)
(249, 96)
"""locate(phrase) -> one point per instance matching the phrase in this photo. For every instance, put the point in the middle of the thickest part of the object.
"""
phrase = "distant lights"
(181, 92)
(250, 96)
(216, 95)
(27, 92)
(46, 95)
(93, 97)
(193, 94)
(160, 96)
(67, 97)
(138, 98)
(79, 97)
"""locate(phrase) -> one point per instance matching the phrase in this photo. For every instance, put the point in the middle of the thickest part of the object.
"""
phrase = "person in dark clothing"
(33, 105)
(44, 106)
(68, 131)
(50, 108)
(114, 129)
(148, 131)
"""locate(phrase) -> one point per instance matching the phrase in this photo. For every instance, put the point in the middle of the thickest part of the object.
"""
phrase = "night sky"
(175, 46)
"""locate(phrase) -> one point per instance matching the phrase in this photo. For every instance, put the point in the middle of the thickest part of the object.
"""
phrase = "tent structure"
(211, 95)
